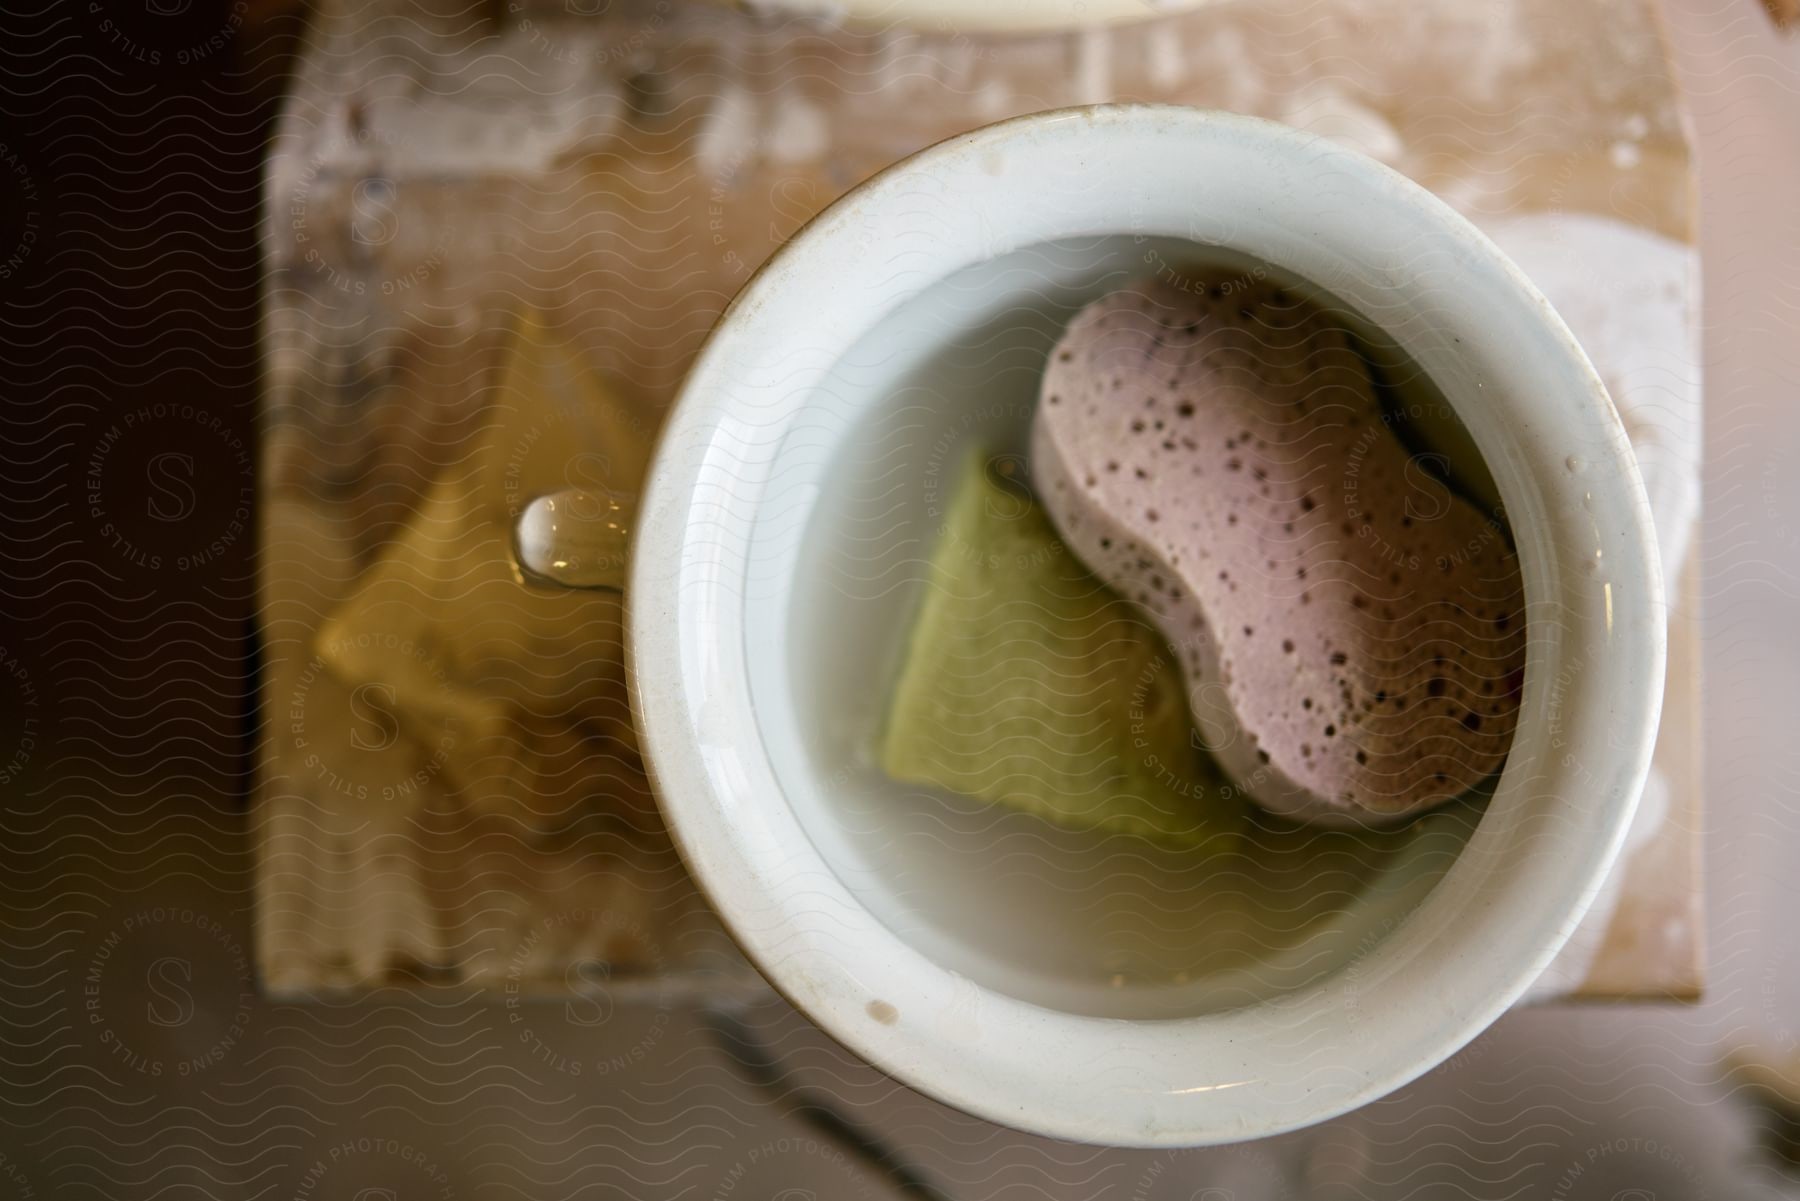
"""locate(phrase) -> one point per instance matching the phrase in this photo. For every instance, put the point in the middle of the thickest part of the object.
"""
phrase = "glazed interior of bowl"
(987, 961)
(1108, 925)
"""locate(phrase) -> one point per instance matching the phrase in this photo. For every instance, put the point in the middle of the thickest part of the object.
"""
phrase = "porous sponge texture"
(1350, 629)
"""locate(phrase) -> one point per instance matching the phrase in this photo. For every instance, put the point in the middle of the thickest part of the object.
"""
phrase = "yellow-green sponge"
(1031, 684)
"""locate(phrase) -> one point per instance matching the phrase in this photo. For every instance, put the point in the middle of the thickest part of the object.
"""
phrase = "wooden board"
(623, 174)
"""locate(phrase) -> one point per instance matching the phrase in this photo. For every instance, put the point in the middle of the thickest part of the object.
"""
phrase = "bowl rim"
(973, 1047)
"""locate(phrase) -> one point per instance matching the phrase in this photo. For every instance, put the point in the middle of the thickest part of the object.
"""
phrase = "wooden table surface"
(623, 174)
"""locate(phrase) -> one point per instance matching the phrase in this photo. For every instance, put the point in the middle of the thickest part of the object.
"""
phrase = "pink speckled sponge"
(1351, 631)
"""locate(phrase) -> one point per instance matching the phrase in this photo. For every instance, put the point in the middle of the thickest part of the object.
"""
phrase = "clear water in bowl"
(1098, 924)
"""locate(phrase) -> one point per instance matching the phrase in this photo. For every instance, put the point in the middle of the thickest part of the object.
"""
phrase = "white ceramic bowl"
(912, 316)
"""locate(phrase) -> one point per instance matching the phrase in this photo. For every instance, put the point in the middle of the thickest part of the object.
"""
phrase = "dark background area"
(130, 195)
